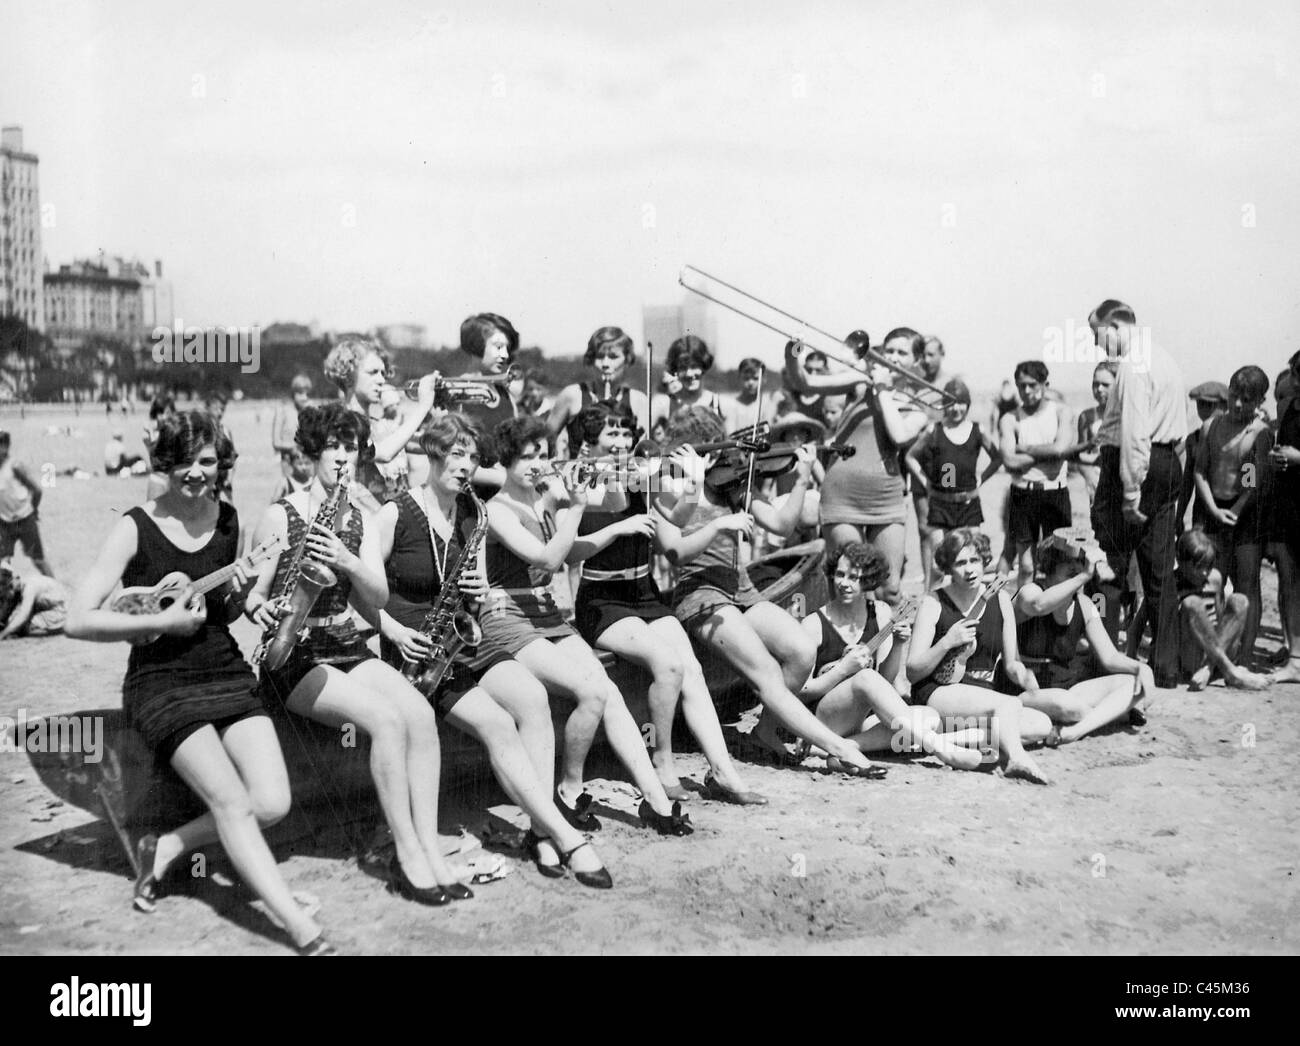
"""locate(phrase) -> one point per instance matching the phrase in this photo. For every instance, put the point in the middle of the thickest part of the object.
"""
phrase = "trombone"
(944, 400)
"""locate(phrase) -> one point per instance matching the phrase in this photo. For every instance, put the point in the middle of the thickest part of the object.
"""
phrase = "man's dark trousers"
(1153, 541)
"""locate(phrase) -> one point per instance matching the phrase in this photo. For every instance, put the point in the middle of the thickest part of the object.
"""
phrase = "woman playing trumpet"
(190, 693)
(487, 693)
(332, 678)
(530, 536)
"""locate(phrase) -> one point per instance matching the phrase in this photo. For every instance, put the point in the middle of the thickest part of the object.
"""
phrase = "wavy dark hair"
(695, 425)
(865, 558)
(181, 437)
(593, 417)
(955, 540)
(445, 431)
(513, 434)
(477, 329)
(688, 349)
(609, 337)
(316, 424)
(10, 594)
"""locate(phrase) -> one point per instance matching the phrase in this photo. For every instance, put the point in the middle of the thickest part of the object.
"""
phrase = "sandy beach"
(1178, 837)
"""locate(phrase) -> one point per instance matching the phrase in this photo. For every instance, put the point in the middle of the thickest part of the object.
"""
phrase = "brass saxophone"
(448, 625)
(303, 583)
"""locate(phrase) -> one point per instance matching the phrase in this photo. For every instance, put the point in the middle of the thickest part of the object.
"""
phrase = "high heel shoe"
(579, 814)
(531, 841)
(459, 891)
(676, 823)
(597, 880)
(146, 884)
(720, 793)
(434, 896)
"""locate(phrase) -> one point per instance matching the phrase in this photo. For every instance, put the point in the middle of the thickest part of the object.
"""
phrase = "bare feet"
(1028, 769)
(1247, 680)
(959, 758)
(1200, 679)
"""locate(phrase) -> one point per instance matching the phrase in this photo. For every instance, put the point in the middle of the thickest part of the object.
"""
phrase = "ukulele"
(152, 599)
(953, 667)
(904, 614)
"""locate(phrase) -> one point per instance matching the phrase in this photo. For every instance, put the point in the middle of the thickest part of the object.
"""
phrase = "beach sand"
(1179, 837)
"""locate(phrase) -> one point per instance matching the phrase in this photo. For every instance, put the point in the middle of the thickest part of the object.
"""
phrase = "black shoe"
(459, 891)
(720, 793)
(1137, 717)
(318, 945)
(676, 823)
(146, 886)
(579, 814)
(434, 896)
(597, 880)
(531, 840)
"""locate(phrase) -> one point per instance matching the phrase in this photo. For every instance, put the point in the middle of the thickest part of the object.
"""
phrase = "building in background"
(88, 299)
(21, 261)
(402, 335)
(662, 325)
(156, 308)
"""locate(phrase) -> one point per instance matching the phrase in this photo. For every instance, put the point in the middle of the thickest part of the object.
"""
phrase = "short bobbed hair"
(609, 338)
(864, 558)
(182, 436)
(477, 330)
(685, 350)
(955, 541)
(514, 434)
(318, 424)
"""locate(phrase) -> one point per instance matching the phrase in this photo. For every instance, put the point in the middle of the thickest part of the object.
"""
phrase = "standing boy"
(20, 498)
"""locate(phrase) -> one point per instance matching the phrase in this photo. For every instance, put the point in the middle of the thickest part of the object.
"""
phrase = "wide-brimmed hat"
(795, 420)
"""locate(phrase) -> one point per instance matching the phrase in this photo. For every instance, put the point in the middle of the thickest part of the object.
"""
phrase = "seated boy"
(1231, 463)
(1211, 625)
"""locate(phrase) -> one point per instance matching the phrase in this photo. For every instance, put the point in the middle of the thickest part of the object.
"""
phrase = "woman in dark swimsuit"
(992, 660)
(189, 692)
(529, 538)
(610, 353)
(332, 678)
(1063, 640)
(486, 693)
(850, 690)
(619, 609)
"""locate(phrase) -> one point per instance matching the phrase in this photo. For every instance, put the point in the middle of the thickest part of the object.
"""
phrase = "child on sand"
(31, 606)
(1230, 467)
(1211, 624)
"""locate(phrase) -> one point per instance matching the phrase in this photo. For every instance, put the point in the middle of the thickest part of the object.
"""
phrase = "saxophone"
(303, 583)
(448, 625)
(953, 666)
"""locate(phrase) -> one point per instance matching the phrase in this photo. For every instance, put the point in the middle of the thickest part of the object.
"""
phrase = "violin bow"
(649, 367)
(749, 480)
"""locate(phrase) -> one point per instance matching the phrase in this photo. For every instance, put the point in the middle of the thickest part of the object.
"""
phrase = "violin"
(770, 459)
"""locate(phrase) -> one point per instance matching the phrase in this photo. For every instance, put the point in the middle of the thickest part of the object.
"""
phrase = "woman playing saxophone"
(332, 678)
(423, 536)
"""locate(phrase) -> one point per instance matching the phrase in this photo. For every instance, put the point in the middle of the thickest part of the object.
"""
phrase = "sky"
(986, 172)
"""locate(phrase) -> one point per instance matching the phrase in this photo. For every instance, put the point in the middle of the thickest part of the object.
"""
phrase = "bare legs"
(962, 705)
(743, 640)
(404, 753)
(569, 667)
(242, 780)
(1086, 706)
(663, 648)
(1219, 644)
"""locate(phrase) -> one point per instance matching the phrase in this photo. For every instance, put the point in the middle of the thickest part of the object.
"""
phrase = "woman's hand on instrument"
(473, 585)
(804, 457)
(902, 631)
(856, 658)
(961, 634)
(735, 522)
(326, 547)
(427, 390)
(266, 614)
(185, 616)
(413, 644)
(692, 465)
(641, 526)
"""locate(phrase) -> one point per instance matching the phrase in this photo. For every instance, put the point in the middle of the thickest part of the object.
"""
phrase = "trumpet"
(920, 385)
(464, 388)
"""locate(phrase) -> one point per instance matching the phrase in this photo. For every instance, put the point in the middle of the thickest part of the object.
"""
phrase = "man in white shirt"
(1141, 433)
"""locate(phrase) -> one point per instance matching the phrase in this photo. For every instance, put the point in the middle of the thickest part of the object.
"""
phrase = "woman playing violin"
(715, 601)
(619, 609)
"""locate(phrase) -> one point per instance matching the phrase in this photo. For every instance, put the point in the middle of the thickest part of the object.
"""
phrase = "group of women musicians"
(830, 681)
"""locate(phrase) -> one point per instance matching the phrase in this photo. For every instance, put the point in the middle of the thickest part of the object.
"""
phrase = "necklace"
(441, 564)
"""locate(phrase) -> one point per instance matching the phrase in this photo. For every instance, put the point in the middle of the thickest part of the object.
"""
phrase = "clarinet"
(448, 625)
(303, 583)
